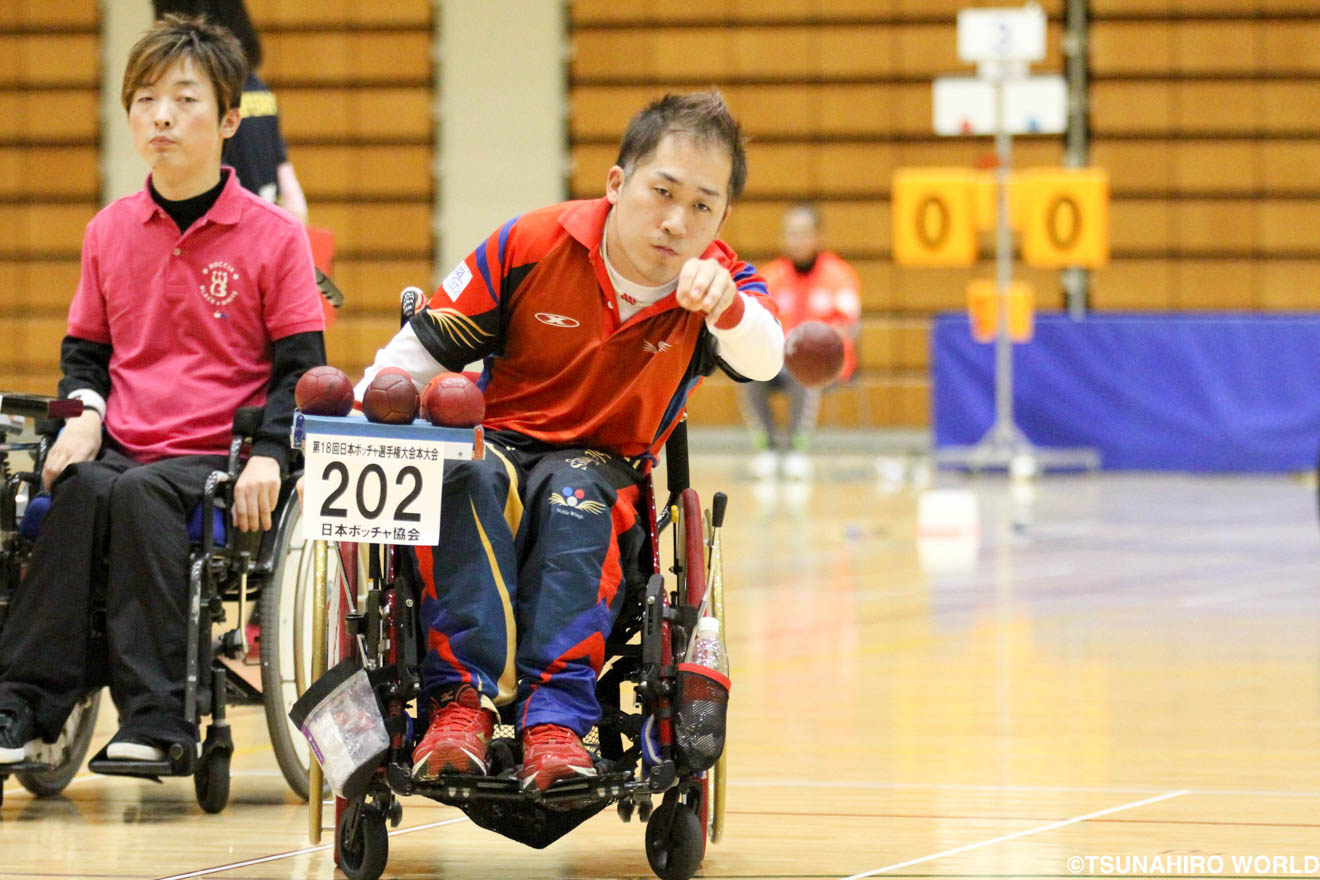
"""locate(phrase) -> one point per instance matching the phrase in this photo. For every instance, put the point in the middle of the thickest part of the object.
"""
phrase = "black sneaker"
(18, 733)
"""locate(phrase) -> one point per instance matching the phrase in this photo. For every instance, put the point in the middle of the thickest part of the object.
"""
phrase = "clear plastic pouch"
(342, 721)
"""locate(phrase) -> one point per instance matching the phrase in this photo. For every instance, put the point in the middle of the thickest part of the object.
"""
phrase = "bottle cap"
(708, 626)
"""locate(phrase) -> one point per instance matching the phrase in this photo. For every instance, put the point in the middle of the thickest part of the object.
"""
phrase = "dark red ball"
(813, 353)
(324, 391)
(452, 400)
(391, 397)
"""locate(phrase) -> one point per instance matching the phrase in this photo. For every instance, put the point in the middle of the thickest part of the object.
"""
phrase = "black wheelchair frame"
(381, 629)
(241, 568)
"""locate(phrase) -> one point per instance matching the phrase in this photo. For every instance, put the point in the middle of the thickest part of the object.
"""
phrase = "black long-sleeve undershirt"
(86, 364)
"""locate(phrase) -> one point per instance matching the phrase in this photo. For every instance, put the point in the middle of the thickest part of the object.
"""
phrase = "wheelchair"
(269, 571)
(373, 624)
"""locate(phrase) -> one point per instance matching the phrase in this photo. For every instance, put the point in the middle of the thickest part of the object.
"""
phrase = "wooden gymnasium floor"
(1126, 666)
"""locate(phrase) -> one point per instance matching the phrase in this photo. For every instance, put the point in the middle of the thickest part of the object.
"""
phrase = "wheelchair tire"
(362, 841)
(211, 781)
(675, 841)
(285, 612)
(78, 731)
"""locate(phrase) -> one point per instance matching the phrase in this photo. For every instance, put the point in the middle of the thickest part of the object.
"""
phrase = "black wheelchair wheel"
(211, 781)
(72, 746)
(286, 615)
(363, 841)
(675, 841)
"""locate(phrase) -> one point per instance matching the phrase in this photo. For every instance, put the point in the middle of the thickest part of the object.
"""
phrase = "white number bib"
(375, 483)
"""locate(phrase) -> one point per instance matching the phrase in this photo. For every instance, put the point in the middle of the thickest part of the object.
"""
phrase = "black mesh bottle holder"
(700, 710)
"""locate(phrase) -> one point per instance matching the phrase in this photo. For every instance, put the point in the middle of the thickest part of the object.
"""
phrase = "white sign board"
(965, 105)
(1002, 34)
(376, 483)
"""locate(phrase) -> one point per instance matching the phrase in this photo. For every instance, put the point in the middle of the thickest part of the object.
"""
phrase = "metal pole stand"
(1004, 446)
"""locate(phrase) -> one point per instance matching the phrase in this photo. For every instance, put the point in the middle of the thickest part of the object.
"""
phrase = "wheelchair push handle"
(411, 301)
(718, 505)
(247, 421)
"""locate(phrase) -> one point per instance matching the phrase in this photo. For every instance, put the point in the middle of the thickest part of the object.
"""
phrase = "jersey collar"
(227, 210)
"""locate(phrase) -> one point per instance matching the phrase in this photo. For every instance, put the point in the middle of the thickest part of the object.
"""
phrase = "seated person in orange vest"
(595, 320)
(196, 298)
(808, 283)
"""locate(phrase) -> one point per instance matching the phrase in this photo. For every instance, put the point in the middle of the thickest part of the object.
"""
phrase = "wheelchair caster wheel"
(211, 781)
(626, 807)
(644, 809)
(395, 813)
(675, 841)
(362, 841)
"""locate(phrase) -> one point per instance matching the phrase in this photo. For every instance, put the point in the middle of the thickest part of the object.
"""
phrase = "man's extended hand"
(705, 286)
(256, 493)
(79, 441)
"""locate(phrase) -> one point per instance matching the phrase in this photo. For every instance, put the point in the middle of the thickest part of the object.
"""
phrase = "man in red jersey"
(594, 321)
(196, 298)
(808, 283)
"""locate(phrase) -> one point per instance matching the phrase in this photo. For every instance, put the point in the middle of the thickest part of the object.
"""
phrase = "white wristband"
(90, 400)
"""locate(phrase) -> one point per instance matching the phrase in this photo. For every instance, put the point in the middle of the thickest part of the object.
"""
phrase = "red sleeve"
(87, 315)
(292, 303)
(749, 283)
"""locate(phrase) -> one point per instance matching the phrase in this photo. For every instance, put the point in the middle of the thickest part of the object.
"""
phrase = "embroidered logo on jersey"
(460, 329)
(457, 281)
(556, 320)
(572, 502)
(222, 283)
(655, 347)
(589, 458)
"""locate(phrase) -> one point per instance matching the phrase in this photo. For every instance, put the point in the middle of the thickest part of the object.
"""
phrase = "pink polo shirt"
(191, 317)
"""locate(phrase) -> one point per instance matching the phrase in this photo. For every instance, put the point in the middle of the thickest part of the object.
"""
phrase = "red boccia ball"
(391, 398)
(813, 353)
(452, 400)
(324, 391)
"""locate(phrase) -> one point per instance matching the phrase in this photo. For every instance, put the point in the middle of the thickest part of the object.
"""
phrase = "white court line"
(299, 852)
(1014, 836)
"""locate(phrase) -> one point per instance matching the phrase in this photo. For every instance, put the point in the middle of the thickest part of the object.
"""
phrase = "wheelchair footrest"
(535, 819)
(153, 770)
(26, 767)
(144, 769)
(567, 794)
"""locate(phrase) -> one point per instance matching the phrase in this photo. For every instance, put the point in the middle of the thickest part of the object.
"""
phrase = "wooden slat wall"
(835, 95)
(1204, 112)
(1205, 115)
(354, 81)
(355, 87)
(49, 186)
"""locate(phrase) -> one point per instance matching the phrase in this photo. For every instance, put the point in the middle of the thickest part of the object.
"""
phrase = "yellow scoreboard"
(934, 217)
(1061, 213)
(1064, 217)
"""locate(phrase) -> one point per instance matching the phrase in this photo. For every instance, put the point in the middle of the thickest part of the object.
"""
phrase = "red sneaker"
(458, 736)
(552, 753)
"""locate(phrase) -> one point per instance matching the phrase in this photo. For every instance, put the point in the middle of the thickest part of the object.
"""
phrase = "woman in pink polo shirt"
(196, 298)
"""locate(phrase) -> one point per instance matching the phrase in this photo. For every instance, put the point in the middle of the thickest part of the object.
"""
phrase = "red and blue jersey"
(534, 302)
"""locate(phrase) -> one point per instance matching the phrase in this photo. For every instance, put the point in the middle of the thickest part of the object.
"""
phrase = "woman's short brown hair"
(211, 47)
(701, 116)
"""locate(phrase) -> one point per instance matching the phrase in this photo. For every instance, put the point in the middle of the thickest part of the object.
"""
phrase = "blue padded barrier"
(1183, 391)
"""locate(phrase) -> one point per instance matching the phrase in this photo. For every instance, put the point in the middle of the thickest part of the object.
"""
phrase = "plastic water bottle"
(701, 706)
(707, 647)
